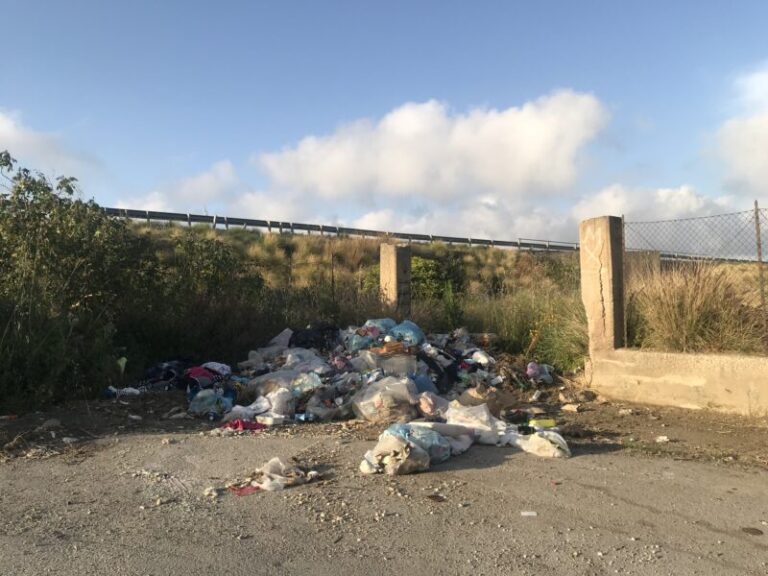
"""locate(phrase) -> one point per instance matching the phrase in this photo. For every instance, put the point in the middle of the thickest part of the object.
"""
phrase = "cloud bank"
(425, 150)
(44, 151)
(743, 140)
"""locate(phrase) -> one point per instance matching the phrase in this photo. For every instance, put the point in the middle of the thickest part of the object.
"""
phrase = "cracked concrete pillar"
(395, 277)
(602, 281)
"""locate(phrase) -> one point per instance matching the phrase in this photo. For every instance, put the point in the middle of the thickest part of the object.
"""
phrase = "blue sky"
(528, 116)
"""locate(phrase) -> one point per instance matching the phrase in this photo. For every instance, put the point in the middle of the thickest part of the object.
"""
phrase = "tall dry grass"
(694, 307)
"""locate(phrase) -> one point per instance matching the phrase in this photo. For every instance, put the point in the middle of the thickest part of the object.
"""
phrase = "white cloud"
(743, 140)
(219, 181)
(217, 185)
(152, 201)
(649, 204)
(42, 151)
(422, 149)
(752, 89)
(266, 205)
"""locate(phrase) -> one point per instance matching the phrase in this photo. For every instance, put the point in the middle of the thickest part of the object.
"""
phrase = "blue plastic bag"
(355, 342)
(209, 401)
(424, 383)
(436, 445)
(408, 332)
(383, 324)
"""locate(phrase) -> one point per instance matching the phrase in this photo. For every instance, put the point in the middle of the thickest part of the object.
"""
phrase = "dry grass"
(694, 307)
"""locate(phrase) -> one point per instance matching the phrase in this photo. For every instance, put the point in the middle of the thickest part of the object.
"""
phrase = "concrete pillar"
(395, 277)
(601, 250)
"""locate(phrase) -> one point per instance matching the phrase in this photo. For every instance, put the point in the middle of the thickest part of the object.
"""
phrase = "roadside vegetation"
(696, 307)
(79, 290)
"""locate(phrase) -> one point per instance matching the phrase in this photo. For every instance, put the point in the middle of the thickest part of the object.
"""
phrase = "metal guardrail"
(322, 229)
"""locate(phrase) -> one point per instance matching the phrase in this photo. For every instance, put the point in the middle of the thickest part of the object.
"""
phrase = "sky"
(489, 119)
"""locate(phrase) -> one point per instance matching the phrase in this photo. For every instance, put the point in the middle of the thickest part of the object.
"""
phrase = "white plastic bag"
(385, 399)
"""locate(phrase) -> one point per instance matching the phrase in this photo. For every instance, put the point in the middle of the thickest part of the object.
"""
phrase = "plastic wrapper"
(386, 399)
(209, 401)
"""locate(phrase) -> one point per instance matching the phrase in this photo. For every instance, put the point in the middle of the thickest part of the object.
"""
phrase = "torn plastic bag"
(434, 444)
(547, 444)
(394, 454)
(354, 342)
(483, 358)
(460, 444)
(209, 401)
(364, 361)
(283, 339)
(274, 475)
(540, 372)
(398, 365)
(386, 399)
(303, 360)
(260, 406)
(408, 332)
(255, 362)
(263, 385)
(476, 417)
(281, 402)
(305, 383)
(276, 346)
(432, 406)
(384, 325)
(322, 405)
(497, 400)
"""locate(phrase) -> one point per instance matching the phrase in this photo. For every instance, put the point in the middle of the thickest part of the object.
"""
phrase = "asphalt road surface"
(134, 505)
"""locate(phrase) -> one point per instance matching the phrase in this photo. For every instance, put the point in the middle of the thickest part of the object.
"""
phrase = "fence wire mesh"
(723, 237)
(738, 240)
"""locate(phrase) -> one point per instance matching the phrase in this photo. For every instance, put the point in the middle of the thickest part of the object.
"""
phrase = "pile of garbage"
(444, 391)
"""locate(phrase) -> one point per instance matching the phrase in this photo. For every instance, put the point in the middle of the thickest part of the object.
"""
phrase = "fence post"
(624, 278)
(759, 240)
(395, 277)
(602, 281)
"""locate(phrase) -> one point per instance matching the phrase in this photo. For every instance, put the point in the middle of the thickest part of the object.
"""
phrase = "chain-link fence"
(736, 242)
(737, 236)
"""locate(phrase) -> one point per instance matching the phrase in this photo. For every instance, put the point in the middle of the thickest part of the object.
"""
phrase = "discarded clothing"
(241, 425)
(321, 337)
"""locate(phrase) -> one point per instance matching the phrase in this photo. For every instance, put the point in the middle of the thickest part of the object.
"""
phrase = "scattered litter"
(211, 492)
(529, 514)
(274, 475)
(243, 425)
(135, 417)
(437, 498)
(436, 395)
(626, 412)
(662, 439)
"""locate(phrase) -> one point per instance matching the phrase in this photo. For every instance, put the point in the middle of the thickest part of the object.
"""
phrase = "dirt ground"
(113, 487)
